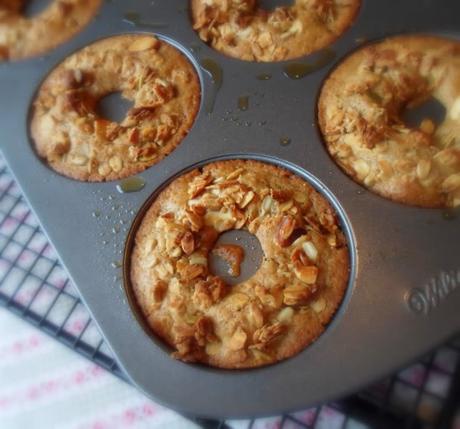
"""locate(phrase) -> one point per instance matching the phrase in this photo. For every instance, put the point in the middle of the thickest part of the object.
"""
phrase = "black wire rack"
(35, 287)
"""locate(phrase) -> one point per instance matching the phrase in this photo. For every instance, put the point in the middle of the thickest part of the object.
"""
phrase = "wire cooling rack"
(34, 286)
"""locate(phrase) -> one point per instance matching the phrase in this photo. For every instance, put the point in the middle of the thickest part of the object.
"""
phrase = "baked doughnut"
(22, 37)
(271, 316)
(75, 141)
(241, 29)
(359, 114)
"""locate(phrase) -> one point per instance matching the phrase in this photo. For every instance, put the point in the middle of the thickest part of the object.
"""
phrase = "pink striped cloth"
(45, 385)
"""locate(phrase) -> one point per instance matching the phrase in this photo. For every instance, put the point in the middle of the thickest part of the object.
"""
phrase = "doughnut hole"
(273, 4)
(430, 109)
(114, 107)
(33, 8)
(252, 259)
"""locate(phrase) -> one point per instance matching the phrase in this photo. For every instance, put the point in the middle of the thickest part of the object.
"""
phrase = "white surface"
(45, 385)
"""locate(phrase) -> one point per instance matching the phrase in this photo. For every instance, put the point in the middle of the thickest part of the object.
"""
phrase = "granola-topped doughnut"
(271, 316)
(360, 111)
(241, 29)
(22, 37)
(72, 137)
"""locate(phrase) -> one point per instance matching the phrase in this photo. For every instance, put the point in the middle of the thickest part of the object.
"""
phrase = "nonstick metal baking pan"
(404, 291)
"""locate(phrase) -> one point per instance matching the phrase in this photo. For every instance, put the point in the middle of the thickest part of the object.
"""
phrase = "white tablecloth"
(45, 385)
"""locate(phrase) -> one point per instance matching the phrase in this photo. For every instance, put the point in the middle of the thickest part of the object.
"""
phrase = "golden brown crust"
(22, 37)
(273, 315)
(240, 29)
(155, 76)
(359, 113)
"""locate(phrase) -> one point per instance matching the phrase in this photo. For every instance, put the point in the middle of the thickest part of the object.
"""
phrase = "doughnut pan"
(404, 294)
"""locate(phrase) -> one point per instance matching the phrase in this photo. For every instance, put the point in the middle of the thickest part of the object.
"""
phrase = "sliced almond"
(296, 295)
(266, 205)
(247, 199)
(104, 170)
(188, 243)
(319, 305)
(143, 44)
(238, 339)
(237, 300)
(427, 126)
(307, 274)
(198, 259)
(79, 160)
(310, 250)
(116, 163)
(448, 157)
(423, 168)
(361, 168)
(452, 183)
(234, 174)
(284, 231)
(233, 255)
(285, 315)
(455, 110)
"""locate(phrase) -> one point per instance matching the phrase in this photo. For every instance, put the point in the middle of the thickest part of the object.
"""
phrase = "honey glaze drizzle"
(300, 70)
(215, 71)
(131, 184)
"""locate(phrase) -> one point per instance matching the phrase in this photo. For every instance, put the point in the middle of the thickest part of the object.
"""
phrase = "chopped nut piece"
(104, 170)
(237, 300)
(190, 272)
(297, 295)
(79, 160)
(188, 243)
(116, 163)
(285, 229)
(319, 305)
(423, 169)
(451, 183)
(238, 339)
(235, 174)
(100, 128)
(247, 199)
(427, 126)
(285, 315)
(310, 250)
(198, 259)
(143, 44)
(199, 184)
(159, 291)
(204, 331)
(362, 168)
(133, 136)
(233, 255)
(267, 334)
(307, 274)
(208, 292)
(195, 220)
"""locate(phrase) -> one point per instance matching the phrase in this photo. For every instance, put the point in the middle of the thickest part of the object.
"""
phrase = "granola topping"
(265, 318)
(68, 131)
(241, 29)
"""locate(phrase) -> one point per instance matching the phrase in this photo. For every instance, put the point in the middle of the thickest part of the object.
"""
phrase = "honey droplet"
(300, 70)
(451, 213)
(360, 40)
(131, 184)
(285, 141)
(215, 71)
(195, 47)
(264, 76)
(243, 102)
(116, 264)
